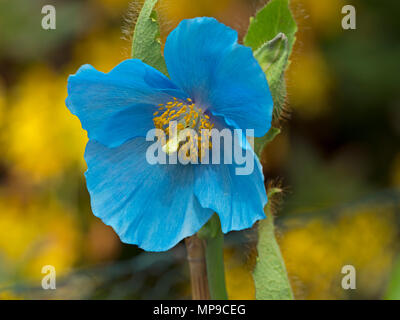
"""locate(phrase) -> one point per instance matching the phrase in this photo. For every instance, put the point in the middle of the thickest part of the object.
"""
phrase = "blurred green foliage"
(393, 290)
(21, 35)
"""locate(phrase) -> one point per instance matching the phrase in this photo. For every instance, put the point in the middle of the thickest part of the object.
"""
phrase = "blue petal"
(239, 200)
(117, 106)
(205, 60)
(152, 206)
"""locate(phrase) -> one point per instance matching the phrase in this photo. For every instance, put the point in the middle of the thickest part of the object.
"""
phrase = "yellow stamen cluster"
(187, 115)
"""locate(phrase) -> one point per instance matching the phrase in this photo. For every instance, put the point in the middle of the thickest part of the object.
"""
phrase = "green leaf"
(274, 18)
(270, 276)
(271, 35)
(272, 52)
(260, 143)
(273, 57)
(146, 43)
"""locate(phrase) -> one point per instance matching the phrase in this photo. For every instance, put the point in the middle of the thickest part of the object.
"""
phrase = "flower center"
(186, 115)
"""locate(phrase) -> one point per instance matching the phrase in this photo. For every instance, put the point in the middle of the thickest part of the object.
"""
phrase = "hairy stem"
(197, 264)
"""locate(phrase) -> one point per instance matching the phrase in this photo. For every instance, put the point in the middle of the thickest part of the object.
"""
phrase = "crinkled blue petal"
(205, 60)
(152, 206)
(239, 200)
(117, 106)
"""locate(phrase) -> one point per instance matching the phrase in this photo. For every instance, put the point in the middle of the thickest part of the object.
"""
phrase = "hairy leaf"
(273, 57)
(271, 35)
(260, 143)
(146, 44)
(274, 18)
(270, 276)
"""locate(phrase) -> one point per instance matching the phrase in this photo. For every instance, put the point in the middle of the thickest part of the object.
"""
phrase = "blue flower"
(156, 206)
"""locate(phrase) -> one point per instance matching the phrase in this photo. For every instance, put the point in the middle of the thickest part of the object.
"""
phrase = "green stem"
(214, 250)
(215, 266)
